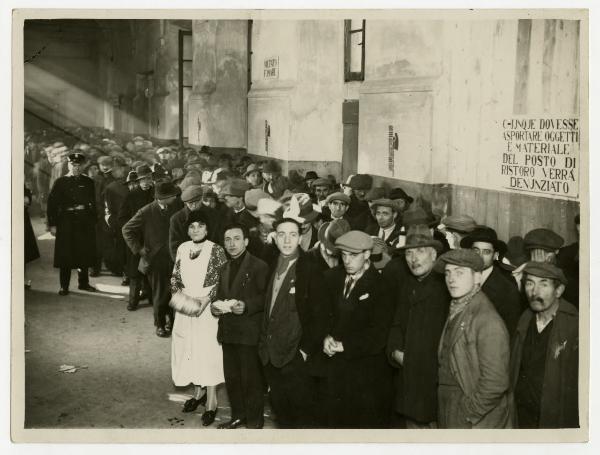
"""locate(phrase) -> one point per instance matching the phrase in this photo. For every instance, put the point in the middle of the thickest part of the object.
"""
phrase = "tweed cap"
(399, 193)
(236, 187)
(105, 160)
(545, 270)
(338, 196)
(417, 215)
(419, 236)
(361, 182)
(461, 257)
(459, 223)
(320, 182)
(354, 242)
(375, 193)
(252, 197)
(76, 158)
(192, 193)
(330, 231)
(252, 168)
(544, 239)
(385, 202)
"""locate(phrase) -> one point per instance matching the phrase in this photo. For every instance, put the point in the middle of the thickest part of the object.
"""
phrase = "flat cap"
(417, 215)
(460, 223)
(361, 182)
(461, 257)
(252, 168)
(545, 270)
(192, 193)
(384, 202)
(338, 196)
(544, 239)
(236, 188)
(105, 160)
(252, 197)
(354, 242)
(321, 182)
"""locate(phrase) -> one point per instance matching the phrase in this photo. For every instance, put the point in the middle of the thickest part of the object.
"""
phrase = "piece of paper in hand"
(224, 306)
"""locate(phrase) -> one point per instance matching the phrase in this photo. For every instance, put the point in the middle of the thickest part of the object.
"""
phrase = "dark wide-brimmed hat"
(484, 234)
(417, 215)
(375, 193)
(76, 158)
(399, 193)
(166, 190)
(361, 182)
(271, 167)
(235, 187)
(461, 257)
(311, 175)
(329, 232)
(418, 236)
(143, 171)
(192, 193)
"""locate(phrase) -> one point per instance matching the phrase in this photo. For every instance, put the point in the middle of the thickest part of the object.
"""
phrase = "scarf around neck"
(458, 305)
(283, 262)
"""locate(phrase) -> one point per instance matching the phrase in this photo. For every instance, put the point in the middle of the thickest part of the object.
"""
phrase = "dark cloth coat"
(559, 405)
(506, 298)
(303, 286)
(420, 315)
(114, 253)
(134, 200)
(359, 378)
(75, 244)
(568, 260)
(31, 249)
(392, 239)
(249, 286)
(101, 181)
(316, 258)
(147, 234)
(479, 355)
(360, 214)
(395, 273)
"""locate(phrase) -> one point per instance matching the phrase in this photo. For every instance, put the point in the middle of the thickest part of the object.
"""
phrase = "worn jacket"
(559, 406)
(479, 361)
(249, 286)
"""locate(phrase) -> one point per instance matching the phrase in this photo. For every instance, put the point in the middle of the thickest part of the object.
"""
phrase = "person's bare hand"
(214, 310)
(238, 308)
(329, 345)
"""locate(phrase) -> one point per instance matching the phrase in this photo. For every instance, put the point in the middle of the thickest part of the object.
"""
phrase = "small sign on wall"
(271, 68)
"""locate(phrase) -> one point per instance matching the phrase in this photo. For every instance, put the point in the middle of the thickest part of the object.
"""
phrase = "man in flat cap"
(474, 350)
(336, 207)
(274, 183)
(147, 234)
(135, 200)
(101, 181)
(545, 354)
(502, 291)
(360, 311)
(290, 334)
(72, 219)
(421, 308)
(320, 189)
(253, 176)
(386, 215)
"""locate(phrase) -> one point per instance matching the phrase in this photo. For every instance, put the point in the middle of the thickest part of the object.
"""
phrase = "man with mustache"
(545, 354)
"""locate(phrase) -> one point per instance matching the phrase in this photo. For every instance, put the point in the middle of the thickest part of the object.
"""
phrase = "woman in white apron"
(196, 355)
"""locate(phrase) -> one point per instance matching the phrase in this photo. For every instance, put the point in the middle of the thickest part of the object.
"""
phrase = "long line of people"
(358, 306)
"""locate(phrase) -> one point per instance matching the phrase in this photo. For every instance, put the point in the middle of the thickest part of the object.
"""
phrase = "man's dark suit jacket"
(392, 239)
(506, 298)
(147, 233)
(303, 286)
(249, 286)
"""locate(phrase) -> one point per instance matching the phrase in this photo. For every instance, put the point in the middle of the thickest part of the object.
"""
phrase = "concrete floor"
(127, 382)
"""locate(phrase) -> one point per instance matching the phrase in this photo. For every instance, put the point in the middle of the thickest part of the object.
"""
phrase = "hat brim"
(440, 265)
(325, 241)
(166, 195)
(433, 243)
(498, 245)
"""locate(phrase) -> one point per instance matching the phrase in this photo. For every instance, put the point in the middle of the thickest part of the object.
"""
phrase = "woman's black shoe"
(208, 417)
(192, 404)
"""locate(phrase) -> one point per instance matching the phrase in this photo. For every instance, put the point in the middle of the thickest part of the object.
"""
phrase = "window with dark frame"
(354, 50)
(185, 80)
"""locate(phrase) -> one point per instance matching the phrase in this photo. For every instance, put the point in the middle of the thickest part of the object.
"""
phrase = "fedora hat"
(166, 190)
(252, 168)
(484, 234)
(399, 193)
(419, 236)
(330, 231)
(417, 215)
(143, 171)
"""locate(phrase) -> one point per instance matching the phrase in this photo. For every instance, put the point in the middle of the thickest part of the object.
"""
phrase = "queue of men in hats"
(351, 304)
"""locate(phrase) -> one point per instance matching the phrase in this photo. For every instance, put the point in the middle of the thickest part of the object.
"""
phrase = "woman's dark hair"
(199, 216)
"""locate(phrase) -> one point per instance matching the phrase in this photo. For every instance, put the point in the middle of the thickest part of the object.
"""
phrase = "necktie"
(382, 235)
(348, 287)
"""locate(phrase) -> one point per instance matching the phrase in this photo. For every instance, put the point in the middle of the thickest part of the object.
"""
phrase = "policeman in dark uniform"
(71, 219)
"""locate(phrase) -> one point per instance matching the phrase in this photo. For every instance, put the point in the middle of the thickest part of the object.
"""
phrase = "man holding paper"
(239, 305)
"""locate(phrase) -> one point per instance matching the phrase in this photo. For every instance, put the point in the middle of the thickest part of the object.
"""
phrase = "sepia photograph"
(353, 224)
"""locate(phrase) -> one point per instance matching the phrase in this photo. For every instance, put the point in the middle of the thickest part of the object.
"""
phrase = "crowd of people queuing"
(353, 305)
